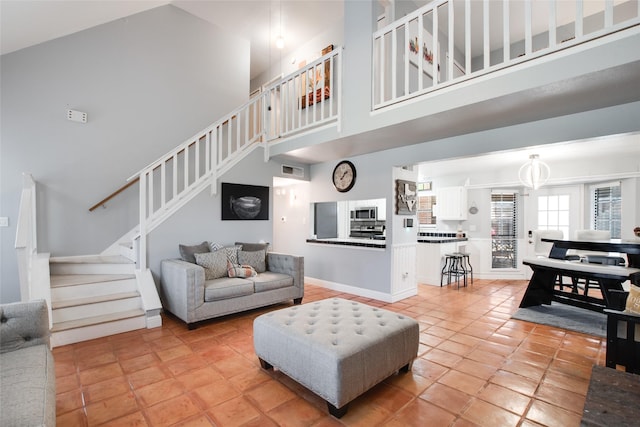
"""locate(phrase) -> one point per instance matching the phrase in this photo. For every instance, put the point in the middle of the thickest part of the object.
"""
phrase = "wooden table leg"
(540, 289)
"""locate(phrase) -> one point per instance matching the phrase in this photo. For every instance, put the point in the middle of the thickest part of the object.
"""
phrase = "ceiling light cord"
(280, 39)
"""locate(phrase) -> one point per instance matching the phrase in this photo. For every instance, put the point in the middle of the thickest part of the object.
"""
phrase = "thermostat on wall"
(76, 116)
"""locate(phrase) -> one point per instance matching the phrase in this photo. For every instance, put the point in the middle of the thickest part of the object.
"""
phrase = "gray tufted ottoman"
(335, 347)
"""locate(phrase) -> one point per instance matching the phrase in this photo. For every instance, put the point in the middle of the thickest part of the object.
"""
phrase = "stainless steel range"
(368, 229)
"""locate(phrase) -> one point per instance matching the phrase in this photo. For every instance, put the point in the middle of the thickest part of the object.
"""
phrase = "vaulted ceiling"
(26, 23)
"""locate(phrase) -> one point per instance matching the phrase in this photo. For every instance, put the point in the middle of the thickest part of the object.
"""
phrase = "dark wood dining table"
(542, 287)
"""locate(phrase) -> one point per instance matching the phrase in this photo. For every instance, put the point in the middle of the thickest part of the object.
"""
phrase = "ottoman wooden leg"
(406, 368)
(337, 412)
(265, 365)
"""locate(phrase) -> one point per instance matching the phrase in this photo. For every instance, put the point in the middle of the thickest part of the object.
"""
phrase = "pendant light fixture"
(534, 173)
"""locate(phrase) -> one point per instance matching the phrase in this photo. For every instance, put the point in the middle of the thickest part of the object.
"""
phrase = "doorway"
(552, 208)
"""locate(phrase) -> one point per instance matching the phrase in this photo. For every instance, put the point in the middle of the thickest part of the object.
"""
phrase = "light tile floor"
(476, 366)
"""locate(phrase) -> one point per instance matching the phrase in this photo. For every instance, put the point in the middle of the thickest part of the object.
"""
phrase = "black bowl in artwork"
(246, 207)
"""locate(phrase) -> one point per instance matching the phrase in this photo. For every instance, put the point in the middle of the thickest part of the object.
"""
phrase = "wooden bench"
(541, 289)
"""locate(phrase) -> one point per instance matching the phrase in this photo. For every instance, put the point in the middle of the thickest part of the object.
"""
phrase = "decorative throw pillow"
(232, 253)
(255, 259)
(633, 300)
(187, 252)
(234, 270)
(213, 246)
(214, 263)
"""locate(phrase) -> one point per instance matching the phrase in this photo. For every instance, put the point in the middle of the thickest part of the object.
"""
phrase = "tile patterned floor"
(476, 367)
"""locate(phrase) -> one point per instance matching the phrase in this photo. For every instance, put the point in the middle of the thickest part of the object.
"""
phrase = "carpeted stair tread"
(89, 321)
(91, 259)
(93, 300)
(58, 280)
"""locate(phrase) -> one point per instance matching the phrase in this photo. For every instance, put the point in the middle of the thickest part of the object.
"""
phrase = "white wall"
(147, 82)
(309, 51)
(369, 273)
(200, 220)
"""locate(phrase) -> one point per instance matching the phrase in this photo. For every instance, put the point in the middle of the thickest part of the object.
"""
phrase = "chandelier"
(534, 173)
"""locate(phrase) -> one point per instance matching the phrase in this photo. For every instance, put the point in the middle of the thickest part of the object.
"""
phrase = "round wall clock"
(344, 176)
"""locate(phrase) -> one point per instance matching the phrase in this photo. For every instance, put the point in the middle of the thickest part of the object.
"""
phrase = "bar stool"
(466, 264)
(454, 267)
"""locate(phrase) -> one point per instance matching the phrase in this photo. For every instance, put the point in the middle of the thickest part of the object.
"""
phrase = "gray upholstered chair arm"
(182, 287)
(23, 324)
(288, 264)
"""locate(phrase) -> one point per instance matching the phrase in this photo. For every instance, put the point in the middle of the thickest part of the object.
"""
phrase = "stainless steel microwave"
(364, 214)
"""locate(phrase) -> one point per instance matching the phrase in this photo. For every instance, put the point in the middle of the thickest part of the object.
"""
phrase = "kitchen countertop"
(352, 241)
(431, 239)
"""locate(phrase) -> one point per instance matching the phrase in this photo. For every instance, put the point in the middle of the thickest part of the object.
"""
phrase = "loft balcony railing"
(451, 41)
(305, 99)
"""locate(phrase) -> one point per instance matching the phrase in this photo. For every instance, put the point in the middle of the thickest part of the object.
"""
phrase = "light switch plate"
(4, 221)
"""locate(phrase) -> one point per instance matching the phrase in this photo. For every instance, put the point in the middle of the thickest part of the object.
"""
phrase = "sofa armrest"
(23, 324)
(182, 286)
(292, 265)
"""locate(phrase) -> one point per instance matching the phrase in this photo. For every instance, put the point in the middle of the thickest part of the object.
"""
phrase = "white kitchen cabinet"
(451, 203)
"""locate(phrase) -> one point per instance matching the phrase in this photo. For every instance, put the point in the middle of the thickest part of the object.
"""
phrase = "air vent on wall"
(292, 171)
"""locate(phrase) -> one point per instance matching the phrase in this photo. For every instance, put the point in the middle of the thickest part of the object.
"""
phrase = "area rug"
(565, 317)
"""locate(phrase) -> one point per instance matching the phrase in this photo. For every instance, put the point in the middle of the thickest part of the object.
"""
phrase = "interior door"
(552, 208)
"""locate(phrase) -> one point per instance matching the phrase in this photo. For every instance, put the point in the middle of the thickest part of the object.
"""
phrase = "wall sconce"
(534, 173)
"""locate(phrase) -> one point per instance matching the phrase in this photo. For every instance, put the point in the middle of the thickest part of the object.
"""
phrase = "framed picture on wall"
(244, 202)
(425, 51)
(406, 197)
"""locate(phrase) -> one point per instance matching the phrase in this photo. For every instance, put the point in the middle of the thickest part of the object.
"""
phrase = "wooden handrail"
(114, 194)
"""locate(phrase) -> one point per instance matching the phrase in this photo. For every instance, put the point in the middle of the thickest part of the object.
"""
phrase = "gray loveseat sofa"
(189, 296)
(27, 374)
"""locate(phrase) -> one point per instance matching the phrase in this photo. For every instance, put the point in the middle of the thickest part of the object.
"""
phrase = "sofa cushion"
(187, 252)
(256, 259)
(28, 392)
(235, 270)
(227, 287)
(252, 247)
(214, 263)
(268, 280)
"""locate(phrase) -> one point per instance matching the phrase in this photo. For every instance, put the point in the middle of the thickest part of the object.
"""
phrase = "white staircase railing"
(33, 268)
(307, 98)
(26, 234)
(435, 46)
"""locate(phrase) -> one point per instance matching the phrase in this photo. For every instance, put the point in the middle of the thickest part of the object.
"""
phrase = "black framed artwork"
(244, 202)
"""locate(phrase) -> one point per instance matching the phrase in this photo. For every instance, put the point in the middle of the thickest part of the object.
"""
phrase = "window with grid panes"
(504, 242)
(425, 210)
(607, 201)
(553, 213)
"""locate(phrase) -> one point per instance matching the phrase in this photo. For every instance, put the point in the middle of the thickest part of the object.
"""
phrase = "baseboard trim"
(366, 293)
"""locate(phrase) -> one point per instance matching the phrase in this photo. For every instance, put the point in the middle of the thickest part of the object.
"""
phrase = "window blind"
(606, 209)
(504, 216)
